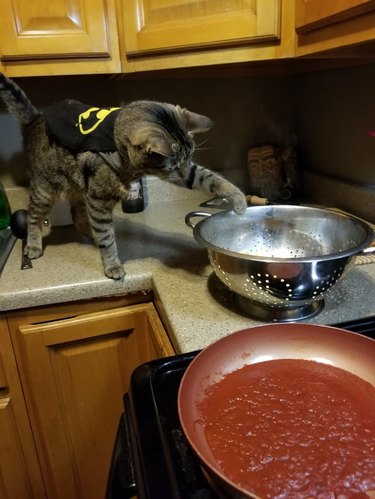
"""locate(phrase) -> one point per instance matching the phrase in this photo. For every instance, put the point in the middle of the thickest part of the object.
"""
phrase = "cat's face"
(158, 137)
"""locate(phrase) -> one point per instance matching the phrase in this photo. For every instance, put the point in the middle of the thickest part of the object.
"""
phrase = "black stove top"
(152, 458)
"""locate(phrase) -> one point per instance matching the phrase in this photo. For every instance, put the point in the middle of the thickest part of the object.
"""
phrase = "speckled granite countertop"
(159, 253)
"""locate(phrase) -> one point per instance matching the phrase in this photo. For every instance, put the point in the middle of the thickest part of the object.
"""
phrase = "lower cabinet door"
(74, 373)
(20, 475)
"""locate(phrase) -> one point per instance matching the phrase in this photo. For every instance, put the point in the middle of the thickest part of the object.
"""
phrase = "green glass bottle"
(4, 209)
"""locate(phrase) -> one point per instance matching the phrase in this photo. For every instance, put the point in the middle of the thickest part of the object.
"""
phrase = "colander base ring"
(278, 314)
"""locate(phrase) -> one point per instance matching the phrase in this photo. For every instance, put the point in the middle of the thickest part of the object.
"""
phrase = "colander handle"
(193, 214)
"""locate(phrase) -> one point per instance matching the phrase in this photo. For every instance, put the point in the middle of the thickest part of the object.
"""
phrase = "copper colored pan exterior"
(340, 348)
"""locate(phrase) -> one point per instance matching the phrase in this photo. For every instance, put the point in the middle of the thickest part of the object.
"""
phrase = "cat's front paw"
(239, 202)
(115, 272)
(33, 252)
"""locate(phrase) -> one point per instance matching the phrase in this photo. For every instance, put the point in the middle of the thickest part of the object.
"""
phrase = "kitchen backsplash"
(348, 196)
(333, 113)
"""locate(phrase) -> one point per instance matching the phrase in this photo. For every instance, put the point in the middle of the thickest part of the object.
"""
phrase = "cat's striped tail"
(17, 102)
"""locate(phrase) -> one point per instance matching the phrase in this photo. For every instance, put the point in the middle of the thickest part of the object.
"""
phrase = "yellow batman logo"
(100, 116)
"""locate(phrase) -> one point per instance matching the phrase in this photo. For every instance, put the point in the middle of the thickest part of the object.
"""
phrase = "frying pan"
(334, 346)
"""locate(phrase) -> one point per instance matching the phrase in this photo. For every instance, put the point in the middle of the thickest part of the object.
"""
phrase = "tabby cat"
(66, 159)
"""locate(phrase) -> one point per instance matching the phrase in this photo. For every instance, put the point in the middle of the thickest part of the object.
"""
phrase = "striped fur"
(151, 138)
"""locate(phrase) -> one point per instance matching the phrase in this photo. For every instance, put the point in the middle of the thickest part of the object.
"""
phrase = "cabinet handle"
(4, 397)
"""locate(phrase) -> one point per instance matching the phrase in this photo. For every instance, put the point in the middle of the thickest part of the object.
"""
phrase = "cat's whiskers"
(198, 146)
(203, 141)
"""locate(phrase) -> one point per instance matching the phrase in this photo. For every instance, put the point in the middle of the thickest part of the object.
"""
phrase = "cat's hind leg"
(40, 204)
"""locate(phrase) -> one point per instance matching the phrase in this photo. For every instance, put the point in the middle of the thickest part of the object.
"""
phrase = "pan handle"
(193, 214)
(370, 250)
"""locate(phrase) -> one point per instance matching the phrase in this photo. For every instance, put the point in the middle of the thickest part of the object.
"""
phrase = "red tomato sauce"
(293, 429)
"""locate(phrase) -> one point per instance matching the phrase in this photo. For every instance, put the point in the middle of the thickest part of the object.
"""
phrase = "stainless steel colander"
(281, 260)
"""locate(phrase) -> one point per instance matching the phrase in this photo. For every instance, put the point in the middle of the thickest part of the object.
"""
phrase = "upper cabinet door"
(54, 29)
(169, 26)
(314, 14)
(323, 25)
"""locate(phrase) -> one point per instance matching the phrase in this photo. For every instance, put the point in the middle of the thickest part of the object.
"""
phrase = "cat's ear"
(152, 142)
(193, 122)
(159, 145)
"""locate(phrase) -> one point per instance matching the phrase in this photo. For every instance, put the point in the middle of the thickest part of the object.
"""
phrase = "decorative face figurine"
(273, 172)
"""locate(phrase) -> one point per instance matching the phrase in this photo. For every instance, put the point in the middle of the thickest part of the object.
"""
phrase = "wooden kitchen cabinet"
(20, 474)
(74, 364)
(337, 25)
(60, 37)
(174, 25)
(51, 37)
(110, 36)
(160, 34)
